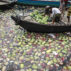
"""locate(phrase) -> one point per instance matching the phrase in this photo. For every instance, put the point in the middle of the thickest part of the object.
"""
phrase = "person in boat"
(69, 14)
(56, 14)
(62, 6)
(47, 11)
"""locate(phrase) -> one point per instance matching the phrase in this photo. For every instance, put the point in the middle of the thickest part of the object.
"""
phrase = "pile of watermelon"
(39, 17)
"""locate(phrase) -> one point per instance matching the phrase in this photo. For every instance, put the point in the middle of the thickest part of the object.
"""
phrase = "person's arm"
(53, 16)
(53, 12)
(53, 21)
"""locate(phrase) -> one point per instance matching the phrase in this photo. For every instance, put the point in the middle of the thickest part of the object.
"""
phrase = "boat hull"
(42, 28)
(40, 3)
(7, 6)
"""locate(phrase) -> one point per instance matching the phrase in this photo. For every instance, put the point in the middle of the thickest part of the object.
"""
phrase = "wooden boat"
(4, 5)
(41, 2)
(42, 28)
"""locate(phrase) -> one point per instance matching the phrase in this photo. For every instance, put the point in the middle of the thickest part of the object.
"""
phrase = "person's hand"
(52, 22)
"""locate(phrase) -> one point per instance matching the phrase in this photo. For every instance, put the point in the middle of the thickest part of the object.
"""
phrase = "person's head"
(50, 9)
(47, 9)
